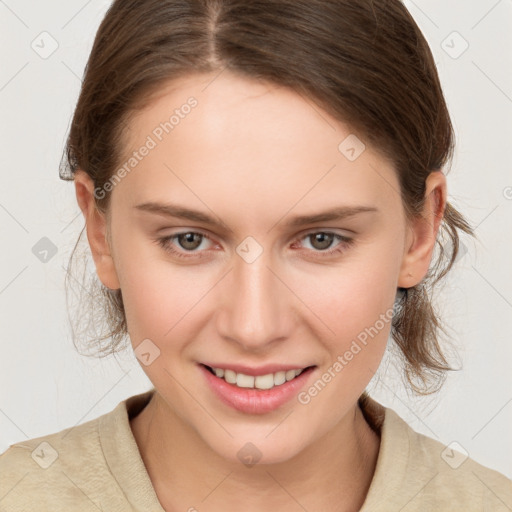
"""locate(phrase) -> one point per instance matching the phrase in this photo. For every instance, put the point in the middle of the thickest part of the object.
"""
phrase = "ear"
(422, 232)
(96, 225)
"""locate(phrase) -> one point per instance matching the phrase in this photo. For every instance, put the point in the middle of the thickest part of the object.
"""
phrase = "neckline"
(123, 456)
(127, 467)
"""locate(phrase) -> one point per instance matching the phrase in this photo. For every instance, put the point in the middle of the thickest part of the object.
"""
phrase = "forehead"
(234, 137)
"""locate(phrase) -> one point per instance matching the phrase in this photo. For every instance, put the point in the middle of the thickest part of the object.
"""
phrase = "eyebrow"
(181, 212)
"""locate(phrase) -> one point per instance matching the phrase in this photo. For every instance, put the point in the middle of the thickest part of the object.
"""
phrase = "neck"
(185, 471)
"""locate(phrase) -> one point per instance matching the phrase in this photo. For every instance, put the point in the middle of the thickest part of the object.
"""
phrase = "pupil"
(325, 239)
(187, 240)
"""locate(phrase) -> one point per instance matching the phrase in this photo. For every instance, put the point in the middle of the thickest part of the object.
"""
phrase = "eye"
(188, 244)
(322, 241)
(188, 241)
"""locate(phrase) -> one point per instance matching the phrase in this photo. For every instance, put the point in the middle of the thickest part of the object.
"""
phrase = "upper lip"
(260, 370)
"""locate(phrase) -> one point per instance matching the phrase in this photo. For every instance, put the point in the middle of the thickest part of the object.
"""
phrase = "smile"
(256, 394)
(268, 381)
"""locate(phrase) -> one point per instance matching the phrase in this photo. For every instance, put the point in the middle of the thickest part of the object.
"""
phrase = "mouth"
(258, 382)
(256, 394)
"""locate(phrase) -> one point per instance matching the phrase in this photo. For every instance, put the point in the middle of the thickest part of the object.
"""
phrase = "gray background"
(46, 386)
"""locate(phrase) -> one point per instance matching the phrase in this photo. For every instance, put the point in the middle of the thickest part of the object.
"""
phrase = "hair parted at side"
(365, 62)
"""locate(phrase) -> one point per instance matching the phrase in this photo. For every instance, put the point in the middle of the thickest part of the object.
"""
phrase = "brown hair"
(365, 62)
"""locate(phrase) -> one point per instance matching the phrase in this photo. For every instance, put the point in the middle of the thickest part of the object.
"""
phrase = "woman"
(263, 189)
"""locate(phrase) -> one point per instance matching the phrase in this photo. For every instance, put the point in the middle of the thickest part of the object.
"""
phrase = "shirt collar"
(123, 456)
(126, 464)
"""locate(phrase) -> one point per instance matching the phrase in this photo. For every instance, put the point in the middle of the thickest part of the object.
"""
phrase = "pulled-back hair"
(365, 62)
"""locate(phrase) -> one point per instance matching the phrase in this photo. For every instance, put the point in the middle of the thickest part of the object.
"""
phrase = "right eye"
(189, 242)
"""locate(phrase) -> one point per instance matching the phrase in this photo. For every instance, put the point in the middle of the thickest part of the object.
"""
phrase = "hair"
(365, 62)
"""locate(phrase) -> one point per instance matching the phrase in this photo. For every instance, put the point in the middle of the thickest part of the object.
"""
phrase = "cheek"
(355, 304)
(356, 309)
(164, 300)
(350, 297)
(158, 295)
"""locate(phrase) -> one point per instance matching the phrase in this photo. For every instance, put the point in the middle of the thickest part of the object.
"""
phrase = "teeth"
(290, 374)
(244, 381)
(229, 376)
(260, 382)
(279, 378)
(264, 381)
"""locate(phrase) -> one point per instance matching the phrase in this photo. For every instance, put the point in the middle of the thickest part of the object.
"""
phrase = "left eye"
(321, 242)
(322, 238)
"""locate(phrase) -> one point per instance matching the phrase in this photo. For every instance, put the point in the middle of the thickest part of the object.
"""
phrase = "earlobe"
(96, 227)
(423, 232)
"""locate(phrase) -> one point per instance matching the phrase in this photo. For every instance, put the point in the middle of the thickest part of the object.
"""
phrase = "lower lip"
(255, 401)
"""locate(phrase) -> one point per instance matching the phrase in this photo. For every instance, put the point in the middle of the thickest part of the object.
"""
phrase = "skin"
(253, 155)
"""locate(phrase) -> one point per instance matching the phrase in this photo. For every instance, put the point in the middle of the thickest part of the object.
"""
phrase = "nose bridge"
(255, 314)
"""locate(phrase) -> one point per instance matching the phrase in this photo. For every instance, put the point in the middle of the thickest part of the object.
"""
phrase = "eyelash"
(345, 243)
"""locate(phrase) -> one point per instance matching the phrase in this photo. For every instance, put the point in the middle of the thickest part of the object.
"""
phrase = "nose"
(256, 308)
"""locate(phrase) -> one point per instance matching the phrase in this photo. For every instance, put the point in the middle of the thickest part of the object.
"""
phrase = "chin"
(254, 451)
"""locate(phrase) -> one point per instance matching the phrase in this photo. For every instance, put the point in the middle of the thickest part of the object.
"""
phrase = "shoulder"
(64, 470)
(450, 476)
(415, 472)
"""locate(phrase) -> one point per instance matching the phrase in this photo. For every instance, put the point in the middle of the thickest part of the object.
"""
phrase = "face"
(242, 274)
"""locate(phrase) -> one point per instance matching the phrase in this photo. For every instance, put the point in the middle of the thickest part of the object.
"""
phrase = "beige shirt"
(97, 466)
